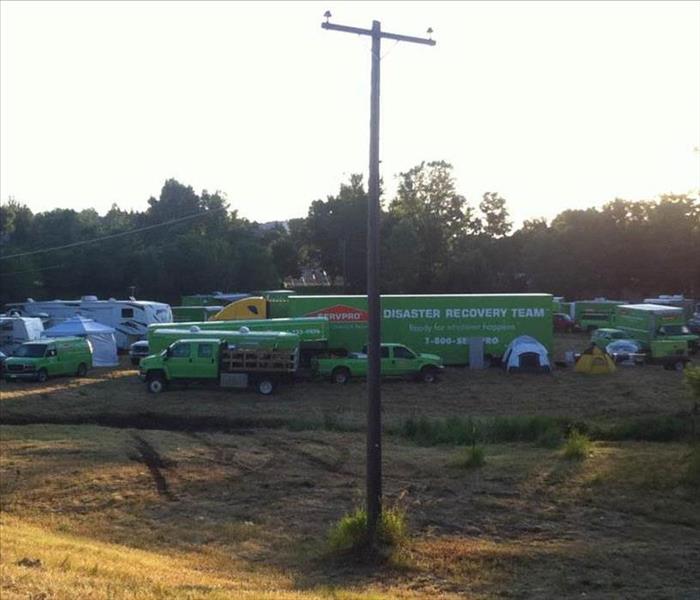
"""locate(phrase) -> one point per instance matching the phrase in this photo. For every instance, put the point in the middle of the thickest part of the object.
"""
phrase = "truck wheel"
(428, 375)
(42, 376)
(82, 370)
(155, 384)
(265, 386)
(341, 376)
(679, 365)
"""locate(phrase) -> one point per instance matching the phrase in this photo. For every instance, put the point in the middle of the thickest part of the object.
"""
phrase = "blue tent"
(101, 338)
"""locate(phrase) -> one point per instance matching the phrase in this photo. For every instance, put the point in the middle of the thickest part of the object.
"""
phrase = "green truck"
(396, 361)
(41, 359)
(592, 314)
(445, 325)
(259, 360)
(649, 322)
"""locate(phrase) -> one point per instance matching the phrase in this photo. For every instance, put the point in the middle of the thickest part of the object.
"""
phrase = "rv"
(130, 318)
(14, 331)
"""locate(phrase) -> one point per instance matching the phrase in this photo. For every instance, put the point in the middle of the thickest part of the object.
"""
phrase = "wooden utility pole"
(374, 398)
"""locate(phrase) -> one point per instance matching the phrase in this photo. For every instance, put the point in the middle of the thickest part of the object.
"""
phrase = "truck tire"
(82, 370)
(265, 386)
(155, 384)
(428, 375)
(42, 376)
(340, 375)
(679, 365)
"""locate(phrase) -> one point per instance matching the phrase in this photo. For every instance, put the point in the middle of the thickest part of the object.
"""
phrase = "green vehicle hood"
(431, 357)
(22, 360)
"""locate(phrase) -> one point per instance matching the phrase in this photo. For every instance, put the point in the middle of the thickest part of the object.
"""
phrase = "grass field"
(108, 492)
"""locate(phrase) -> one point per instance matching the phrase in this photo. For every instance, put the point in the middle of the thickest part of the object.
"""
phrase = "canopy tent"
(595, 361)
(101, 338)
(526, 354)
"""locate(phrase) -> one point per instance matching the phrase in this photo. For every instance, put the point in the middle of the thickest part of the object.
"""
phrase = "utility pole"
(374, 398)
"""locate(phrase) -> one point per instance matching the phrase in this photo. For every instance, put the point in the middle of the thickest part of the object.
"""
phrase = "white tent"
(526, 354)
(101, 337)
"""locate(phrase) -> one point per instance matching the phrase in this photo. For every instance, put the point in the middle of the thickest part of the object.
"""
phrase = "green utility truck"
(650, 322)
(396, 361)
(258, 360)
(592, 314)
(41, 359)
(445, 325)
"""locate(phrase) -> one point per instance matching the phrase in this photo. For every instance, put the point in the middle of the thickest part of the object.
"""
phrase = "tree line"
(433, 240)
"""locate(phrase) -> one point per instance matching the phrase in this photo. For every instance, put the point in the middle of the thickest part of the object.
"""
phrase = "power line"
(113, 235)
(32, 270)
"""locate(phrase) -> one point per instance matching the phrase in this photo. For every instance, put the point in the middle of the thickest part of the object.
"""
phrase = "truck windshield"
(675, 330)
(30, 350)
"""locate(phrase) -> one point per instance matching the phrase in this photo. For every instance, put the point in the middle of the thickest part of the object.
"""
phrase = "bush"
(350, 533)
(577, 446)
(470, 458)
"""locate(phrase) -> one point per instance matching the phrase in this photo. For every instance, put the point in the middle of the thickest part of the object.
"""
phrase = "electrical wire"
(113, 235)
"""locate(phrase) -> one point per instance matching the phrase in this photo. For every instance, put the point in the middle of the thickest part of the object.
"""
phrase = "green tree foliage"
(337, 229)
(432, 241)
(214, 250)
(428, 204)
(496, 223)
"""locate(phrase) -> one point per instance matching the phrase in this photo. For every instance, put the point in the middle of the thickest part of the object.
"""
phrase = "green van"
(41, 359)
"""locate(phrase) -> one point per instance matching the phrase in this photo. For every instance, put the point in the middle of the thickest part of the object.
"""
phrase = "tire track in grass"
(154, 462)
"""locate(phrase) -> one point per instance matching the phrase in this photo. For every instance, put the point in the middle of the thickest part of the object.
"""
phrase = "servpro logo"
(341, 314)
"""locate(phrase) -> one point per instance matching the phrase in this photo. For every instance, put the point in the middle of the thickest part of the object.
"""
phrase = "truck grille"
(19, 368)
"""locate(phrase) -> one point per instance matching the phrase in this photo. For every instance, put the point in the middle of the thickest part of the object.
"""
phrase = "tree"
(337, 228)
(496, 223)
(427, 201)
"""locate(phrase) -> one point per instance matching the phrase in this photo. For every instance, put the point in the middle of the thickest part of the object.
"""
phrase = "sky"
(553, 105)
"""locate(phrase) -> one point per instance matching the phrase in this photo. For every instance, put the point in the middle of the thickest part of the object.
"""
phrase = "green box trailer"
(446, 325)
(277, 302)
(183, 314)
(591, 314)
(650, 322)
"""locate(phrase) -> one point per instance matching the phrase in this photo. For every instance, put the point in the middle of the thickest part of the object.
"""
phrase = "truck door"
(206, 361)
(53, 364)
(403, 361)
(180, 361)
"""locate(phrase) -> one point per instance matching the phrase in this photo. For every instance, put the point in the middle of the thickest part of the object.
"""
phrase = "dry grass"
(249, 513)
(119, 512)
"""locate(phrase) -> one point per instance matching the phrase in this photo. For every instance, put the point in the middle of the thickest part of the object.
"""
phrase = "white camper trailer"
(14, 331)
(129, 318)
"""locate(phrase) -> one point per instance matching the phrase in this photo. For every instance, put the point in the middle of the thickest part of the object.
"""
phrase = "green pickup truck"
(396, 361)
(256, 362)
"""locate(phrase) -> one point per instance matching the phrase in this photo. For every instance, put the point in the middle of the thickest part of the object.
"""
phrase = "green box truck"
(446, 325)
(238, 361)
(591, 314)
(649, 322)
(47, 357)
